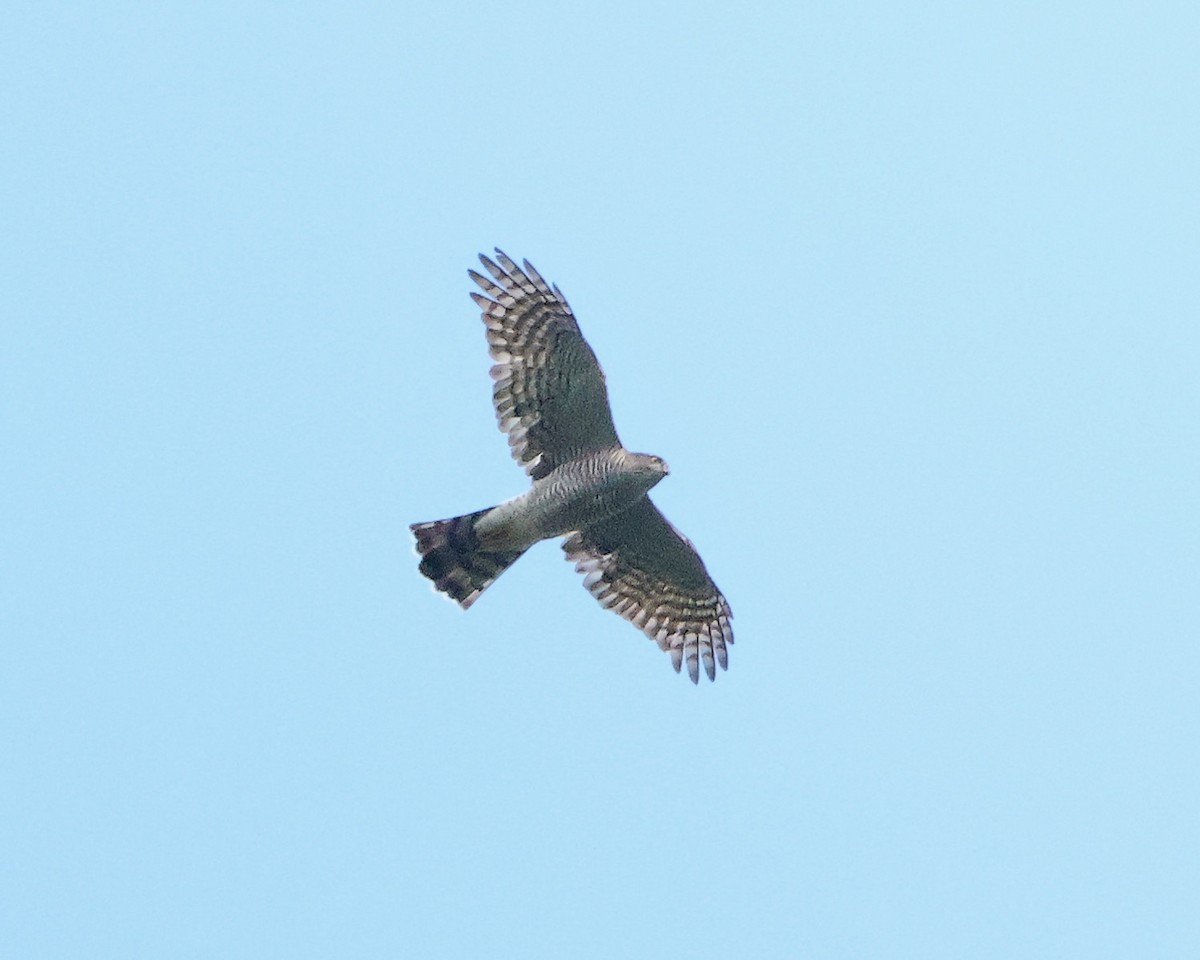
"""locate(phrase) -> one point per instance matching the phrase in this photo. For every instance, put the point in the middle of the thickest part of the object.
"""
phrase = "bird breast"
(571, 497)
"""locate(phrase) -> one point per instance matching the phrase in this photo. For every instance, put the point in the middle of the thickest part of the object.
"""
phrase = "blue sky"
(907, 296)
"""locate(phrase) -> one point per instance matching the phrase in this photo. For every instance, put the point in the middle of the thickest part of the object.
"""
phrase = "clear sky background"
(906, 294)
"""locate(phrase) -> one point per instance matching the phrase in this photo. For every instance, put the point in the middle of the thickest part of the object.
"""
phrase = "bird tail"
(452, 558)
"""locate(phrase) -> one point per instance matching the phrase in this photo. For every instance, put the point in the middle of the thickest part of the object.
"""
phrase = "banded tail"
(452, 558)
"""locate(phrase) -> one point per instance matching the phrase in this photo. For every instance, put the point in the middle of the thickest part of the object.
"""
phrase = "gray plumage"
(552, 402)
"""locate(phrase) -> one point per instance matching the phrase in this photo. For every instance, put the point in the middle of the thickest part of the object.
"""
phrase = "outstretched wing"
(549, 393)
(638, 565)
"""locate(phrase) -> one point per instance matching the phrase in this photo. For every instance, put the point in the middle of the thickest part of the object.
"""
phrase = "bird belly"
(511, 525)
(563, 504)
(570, 498)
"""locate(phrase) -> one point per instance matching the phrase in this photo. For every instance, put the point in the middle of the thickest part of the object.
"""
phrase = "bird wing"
(549, 389)
(638, 565)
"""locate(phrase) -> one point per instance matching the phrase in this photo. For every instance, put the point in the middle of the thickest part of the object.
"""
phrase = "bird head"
(653, 465)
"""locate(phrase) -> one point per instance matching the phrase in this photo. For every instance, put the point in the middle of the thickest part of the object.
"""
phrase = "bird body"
(572, 496)
(551, 400)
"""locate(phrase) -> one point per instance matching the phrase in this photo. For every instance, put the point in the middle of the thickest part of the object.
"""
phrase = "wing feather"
(549, 390)
(639, 566)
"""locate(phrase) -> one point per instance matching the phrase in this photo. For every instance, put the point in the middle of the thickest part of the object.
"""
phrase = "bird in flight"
(551, 401)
